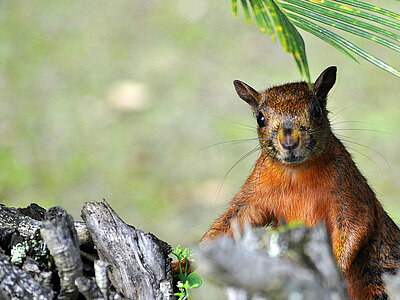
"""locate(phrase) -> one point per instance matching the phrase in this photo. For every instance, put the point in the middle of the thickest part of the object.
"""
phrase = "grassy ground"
(118, 100)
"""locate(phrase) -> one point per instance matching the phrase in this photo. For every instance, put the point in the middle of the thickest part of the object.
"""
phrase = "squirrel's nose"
(289, 141)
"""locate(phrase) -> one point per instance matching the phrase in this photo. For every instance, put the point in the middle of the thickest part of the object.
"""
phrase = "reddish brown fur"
(326, 186)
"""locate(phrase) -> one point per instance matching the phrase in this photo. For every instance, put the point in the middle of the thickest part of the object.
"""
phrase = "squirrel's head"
(292, 118)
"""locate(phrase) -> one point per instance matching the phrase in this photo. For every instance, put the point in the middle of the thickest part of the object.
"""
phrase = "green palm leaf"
(307, 24)
(369, 7)
(341, 17)
(340, 25)
(281, 17)
(355, 12)
(326, 38)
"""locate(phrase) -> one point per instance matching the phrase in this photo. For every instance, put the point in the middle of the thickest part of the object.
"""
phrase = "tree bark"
(140, 265)
(28, 220)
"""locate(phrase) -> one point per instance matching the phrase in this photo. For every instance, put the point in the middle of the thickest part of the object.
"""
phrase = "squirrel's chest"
(298, 198)
(306, 205)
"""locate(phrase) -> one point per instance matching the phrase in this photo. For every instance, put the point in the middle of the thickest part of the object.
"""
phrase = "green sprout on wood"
(186, 281)
(281, 18)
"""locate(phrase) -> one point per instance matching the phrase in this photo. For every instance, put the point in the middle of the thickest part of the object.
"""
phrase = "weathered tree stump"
(79, 255)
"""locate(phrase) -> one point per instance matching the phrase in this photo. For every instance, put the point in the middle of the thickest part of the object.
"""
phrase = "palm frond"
(281, 17)
(328, 39)
(355, 12)
(342, 17)
(370, 7)
(347, 44)
(343, 26)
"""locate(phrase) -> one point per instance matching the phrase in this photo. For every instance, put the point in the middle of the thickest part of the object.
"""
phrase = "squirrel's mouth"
(294, 153)
(292, 158)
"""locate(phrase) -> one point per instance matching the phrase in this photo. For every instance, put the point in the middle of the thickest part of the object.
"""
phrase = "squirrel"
(305, 173)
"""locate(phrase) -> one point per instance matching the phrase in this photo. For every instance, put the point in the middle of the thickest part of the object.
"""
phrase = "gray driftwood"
(18, 284)
(139, 261)
(265, 265)
(101, 271)
(257, 265)
(44, 278)
(60, 235)
(88, 288)
(28, 220)
(140, 265)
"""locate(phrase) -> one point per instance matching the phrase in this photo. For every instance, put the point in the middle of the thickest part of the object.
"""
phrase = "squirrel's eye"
(261, 120)
(316, 113)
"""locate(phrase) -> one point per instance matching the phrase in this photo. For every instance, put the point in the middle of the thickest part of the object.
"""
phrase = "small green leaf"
(182, 277)
(194, 280)
(177, 252)
(186, 253)
(180, 295)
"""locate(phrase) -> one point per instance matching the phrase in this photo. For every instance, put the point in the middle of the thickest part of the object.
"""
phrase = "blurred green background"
(118, 99)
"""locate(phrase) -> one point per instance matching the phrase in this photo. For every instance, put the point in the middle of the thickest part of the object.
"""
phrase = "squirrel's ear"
(247, 93)
(324, 83)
